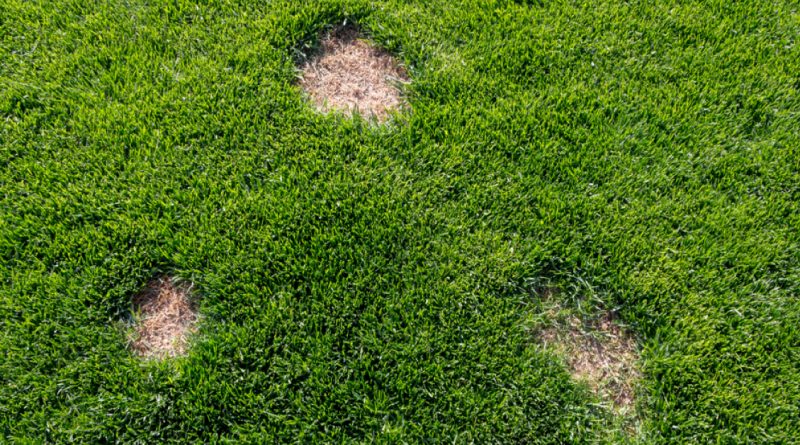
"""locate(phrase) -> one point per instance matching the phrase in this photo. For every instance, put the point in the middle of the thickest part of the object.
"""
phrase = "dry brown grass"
(600, 353)
(349, 74)
(165, 316)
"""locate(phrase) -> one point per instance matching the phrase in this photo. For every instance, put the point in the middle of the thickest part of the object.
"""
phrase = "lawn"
(384, 283)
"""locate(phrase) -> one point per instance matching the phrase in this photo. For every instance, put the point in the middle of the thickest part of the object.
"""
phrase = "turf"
(366, 283)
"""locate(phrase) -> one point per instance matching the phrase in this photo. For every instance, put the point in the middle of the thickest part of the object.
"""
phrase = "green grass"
(377, 284)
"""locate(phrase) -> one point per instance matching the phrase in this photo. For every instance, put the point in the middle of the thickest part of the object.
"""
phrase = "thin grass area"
(600, 353)
(165, 316)
(349, 74)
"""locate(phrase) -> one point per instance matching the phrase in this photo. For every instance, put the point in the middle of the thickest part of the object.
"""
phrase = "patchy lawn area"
(536, 178)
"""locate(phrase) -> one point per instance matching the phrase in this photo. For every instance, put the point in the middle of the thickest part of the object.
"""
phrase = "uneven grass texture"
(377, 284)
(600, 353)
(164, 317)
(349, 74)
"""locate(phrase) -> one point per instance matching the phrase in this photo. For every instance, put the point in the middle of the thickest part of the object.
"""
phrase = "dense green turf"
(377, 284)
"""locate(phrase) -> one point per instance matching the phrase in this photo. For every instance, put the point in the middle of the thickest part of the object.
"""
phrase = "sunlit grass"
(366, 283)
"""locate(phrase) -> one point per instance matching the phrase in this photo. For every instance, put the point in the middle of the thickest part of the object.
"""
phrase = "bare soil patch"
(600, 353)
(165, 314)
(349, 74)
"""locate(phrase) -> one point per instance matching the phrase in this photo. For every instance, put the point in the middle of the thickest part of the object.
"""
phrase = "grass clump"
(369, 283)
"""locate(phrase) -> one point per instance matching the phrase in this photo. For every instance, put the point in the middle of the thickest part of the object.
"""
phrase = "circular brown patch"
(351, 75)
(165, 316)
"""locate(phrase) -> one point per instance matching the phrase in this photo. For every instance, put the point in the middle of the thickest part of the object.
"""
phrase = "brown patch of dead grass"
(349, 74)
(600, 353)
(165, 316)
